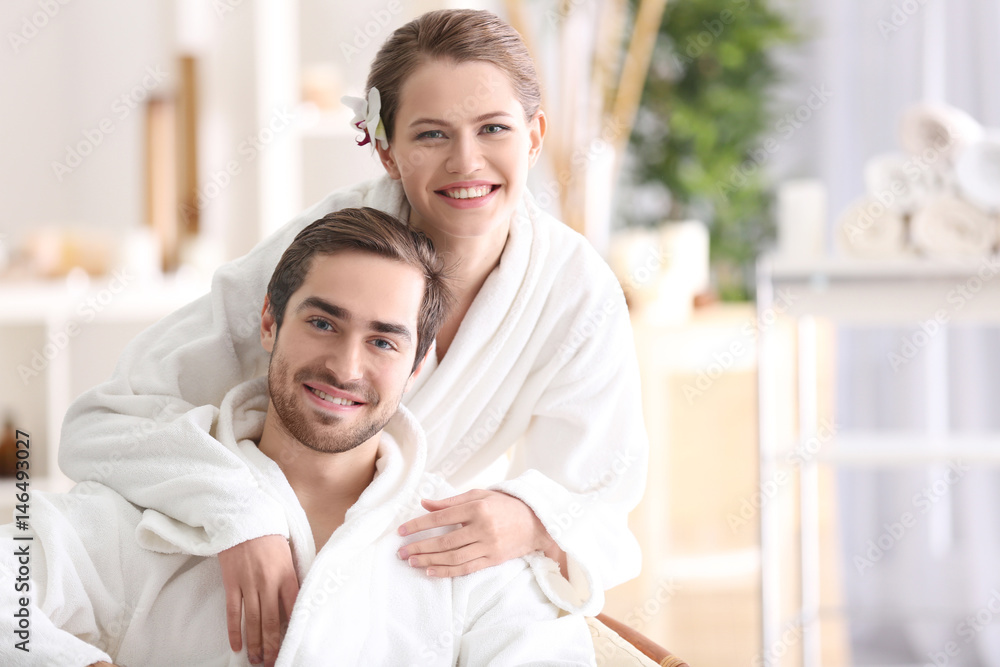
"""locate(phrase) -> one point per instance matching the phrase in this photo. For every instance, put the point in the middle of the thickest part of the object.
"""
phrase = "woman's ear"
(268, 326)
(536, 133)
(388, 161)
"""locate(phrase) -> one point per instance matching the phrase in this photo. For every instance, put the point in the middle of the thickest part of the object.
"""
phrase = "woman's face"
(462, 147)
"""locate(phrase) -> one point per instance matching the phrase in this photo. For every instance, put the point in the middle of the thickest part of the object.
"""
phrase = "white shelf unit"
(901, 292)
(321, 155)
(85, 331)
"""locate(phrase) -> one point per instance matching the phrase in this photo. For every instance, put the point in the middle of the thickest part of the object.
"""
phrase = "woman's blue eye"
(495, 129)
(431, 134)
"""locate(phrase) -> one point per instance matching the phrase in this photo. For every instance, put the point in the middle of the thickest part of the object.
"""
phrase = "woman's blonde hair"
(460, 35)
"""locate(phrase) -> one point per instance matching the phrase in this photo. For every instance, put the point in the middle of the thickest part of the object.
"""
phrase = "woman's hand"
(260, 579)
(495, 528)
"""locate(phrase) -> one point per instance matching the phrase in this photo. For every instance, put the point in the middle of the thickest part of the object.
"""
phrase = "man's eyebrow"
(477, 119)
(391, 328)
(339, 313)
(327, 307)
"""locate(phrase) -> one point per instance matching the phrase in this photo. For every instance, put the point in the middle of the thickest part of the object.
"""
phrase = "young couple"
(519, 363)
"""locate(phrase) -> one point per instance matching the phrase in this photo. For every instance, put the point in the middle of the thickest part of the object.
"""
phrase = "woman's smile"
(469, 194)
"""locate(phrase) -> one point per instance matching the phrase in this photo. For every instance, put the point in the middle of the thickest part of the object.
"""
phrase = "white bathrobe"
(544, 361)
(98, 595)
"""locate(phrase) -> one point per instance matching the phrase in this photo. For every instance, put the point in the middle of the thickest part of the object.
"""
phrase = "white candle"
(802, 218)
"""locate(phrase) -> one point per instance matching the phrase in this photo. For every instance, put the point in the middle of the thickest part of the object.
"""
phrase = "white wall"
(67, 78)
(71, 73)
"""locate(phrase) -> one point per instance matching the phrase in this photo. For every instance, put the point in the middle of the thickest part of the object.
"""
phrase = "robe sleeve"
(581, 465)
(509, 621)
(137, 432)
(72, 578)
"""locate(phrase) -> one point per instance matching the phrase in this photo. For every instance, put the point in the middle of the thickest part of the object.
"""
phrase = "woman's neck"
(471, 260)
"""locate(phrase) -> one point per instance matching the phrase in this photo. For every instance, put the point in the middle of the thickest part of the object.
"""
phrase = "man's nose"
(346, 362)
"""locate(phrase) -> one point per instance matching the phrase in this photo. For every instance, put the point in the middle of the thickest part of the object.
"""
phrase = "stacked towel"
(936, 199)
(894, 180)
(977, 173)
(950, 227)
(869, 229)
(938, 128)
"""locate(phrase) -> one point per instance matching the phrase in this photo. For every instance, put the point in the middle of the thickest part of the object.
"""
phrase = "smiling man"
(350, 313)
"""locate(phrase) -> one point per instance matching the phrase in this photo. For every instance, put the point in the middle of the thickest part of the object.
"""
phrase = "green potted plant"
(704, 125)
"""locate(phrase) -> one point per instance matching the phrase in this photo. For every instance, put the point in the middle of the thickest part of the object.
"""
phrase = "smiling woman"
(449, 128)
(518, 362)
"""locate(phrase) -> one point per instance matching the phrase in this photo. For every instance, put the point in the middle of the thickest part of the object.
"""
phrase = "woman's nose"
(466, 156)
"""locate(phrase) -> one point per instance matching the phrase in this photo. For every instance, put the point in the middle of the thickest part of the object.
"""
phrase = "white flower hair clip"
(367, 119)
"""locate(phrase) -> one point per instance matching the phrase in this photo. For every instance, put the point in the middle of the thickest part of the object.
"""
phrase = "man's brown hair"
(372, 231)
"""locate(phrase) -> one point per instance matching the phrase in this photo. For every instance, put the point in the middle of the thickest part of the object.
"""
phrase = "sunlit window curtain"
(877, 57)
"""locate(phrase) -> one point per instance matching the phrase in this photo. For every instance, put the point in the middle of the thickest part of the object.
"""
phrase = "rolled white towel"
(868, 229)
(951, 227)
(977, 172)
(937, 131)
(900, 182)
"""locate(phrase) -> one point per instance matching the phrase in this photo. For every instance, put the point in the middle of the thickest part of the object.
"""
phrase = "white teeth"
(331, 399)
(469, 193)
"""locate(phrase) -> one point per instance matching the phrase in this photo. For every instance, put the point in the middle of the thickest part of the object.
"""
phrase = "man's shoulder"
(510, 586)
(429, 486)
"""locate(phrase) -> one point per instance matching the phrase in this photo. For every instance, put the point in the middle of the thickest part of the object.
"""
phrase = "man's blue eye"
(383, 344)
(322, 325)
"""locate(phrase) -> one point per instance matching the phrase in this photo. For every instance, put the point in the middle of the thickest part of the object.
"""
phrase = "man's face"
(345, 350)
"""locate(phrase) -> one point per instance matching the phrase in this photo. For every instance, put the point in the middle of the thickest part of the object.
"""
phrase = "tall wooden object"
(187, 146)
(161, 179)
(593, 94)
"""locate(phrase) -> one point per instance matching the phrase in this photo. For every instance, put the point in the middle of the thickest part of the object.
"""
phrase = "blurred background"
(799, 197)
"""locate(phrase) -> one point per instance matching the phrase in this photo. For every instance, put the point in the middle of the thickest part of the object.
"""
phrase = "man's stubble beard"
(330, 437)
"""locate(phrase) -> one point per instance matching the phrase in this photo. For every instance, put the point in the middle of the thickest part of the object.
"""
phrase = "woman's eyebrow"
(477, 119)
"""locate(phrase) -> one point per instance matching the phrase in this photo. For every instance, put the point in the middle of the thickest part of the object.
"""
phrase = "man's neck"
(326, 484)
